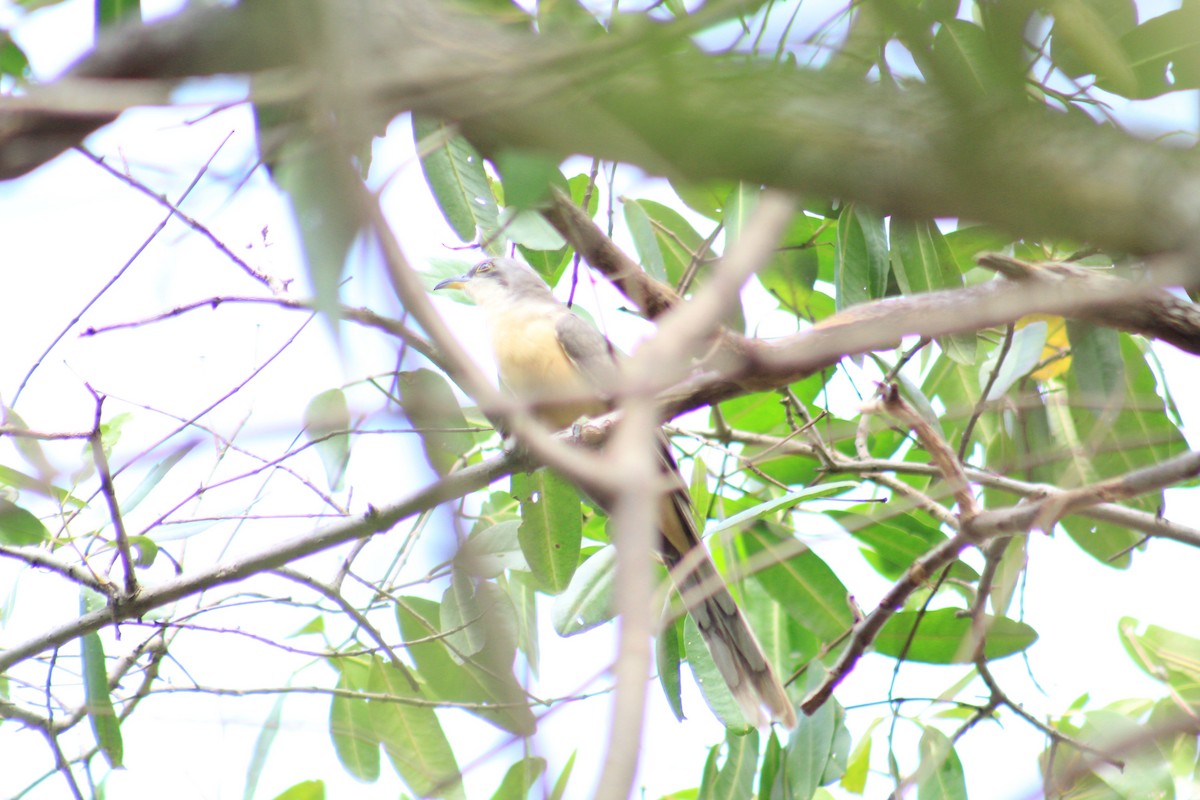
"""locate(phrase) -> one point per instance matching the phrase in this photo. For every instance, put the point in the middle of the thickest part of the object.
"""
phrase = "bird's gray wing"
(592, 354)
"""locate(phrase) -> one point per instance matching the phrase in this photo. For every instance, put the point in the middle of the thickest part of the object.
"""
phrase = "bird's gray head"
(500, 279)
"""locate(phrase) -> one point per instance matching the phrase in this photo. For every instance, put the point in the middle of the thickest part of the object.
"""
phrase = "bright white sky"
(69, 227)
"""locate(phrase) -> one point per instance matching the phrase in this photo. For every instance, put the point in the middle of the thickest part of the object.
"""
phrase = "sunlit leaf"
(668, 652)
(520, 778)
(587, 601)
(941, 773)
(98, 700)
(262, 747)
(944, 637)
(455, 173)
(862, 268)
(19, 527)
(551, 529)
(431, 407)
(326, 424)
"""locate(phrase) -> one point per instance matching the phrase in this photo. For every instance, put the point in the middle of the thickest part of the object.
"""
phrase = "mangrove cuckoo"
(563, 366)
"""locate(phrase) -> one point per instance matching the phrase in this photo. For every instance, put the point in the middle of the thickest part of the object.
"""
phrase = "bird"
(562, 367)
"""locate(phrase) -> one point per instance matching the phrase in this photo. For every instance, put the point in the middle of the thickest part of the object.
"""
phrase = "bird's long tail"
(733, 645)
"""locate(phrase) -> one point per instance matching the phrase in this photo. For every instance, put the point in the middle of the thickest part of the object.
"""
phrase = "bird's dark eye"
(484, 267)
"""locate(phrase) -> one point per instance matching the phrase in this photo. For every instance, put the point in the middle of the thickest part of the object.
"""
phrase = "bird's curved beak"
(459, 282)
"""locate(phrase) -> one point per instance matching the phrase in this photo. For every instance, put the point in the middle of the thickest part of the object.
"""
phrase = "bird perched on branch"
(563, 367)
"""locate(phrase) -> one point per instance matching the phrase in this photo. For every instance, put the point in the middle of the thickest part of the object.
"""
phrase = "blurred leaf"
(323, 188)
(734, 780)
(966, 61)
(1092, 35)
(792, 271)
(922, 262)
(462, 616)
(862, 266)
(262, 747)
(522, 590)
(1099, 371)
(492, 550)
(431, 407)
(707, 199)
(560, 785)
(551, 529)
(967, 242)
(527, 177)
(97, 700)
(587, 601)
(1165, 656)
(412, 736)
(520, 778)
(455, 174)
(1008, 574)
(326, 422)
(668, 653)
(350, 724)
(895, 540)
(488, 683)
(13, 61)
(674, 244)
(783, 503)
(941, 773)
(155, 476)
(18, 527)
(530, 229)
(1023, 354)
(145, 550)
(738, 208)
(858, 766)
(944, 637)
(29, 447)
(112, 12)
(1164, 51)
(304, 790)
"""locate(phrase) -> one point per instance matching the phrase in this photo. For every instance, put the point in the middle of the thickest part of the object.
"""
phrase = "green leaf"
(560, 785)
(675, 242)
(97, 700)
(527, 177)
(1164, 51)
(431, 407)
(707, 199)
(1167, 656)
(18, 527)
(790, 274)
(454, 171)
(1023, 355)
(145, 550)
(1096, 363)
(966, 60)
(530, 229)
(111, 12)
(462, 616)
(895, 540)
(485, 679)
(861, 271)
(262, 747)
(323, 188)
(13, 61)
(523, 593)
(30, 448)
(667, 654)
(155, 476)
(810, 748)
(800, 582)
(738, 208)
(412, 737)
(492, 550)
(944, 637)
(941, 773)
(304, 790)
(734, 780)
(1008, 574)
(708, 677)
(551, 530)
(858, 766)
(520, 778)
(326, 422)
(1091, 37)
(787, 501)
(587, 601)
(922, 262)
(350, 724)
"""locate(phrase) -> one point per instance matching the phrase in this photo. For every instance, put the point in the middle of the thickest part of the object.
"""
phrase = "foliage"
(414, 642)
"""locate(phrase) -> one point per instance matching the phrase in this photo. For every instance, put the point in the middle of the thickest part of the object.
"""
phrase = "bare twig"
(110, 497)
